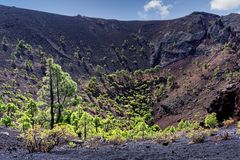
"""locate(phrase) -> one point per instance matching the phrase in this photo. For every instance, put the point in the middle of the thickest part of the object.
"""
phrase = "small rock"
(78, 142)
(4, 133)
(166, 143)
(123, 146)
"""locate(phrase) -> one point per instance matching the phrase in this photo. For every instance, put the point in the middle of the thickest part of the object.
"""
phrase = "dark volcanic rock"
(227, 103)
(182, 38)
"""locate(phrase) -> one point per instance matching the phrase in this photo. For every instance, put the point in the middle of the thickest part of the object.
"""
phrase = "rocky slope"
(103, 41)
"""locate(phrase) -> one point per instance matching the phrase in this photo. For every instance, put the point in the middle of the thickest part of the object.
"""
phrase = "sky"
(128, 9)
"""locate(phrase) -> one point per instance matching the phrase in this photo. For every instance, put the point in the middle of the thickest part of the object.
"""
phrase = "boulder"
(227, 103)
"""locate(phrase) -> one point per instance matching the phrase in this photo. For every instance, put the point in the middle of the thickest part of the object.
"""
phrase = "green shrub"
(44, 140)
(187, 125)
(197, 137)
(166, 138)
(72, 145)
(170, 81)
(216, 72)
(138, 73)
(183, 125)
(211, 120)
(170, 129)
(24, 123)
(116, 137)
(6, 121)
(195, 125)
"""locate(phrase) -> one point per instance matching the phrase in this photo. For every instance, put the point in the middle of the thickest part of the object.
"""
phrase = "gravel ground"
(11, 149)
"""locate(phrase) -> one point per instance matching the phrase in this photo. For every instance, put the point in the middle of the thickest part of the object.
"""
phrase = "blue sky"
(128, 9)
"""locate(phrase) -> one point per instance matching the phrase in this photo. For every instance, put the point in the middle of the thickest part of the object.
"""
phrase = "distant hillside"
(110, 43)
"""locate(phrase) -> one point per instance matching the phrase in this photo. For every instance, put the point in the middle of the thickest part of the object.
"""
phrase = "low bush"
(116, 137)
(116, 141)
(6, 121)
(211, 120)
(228, 122)
(187, 125)
(211, 132)
(238, 127)
(44, 140)
(168, 138)
(197, 137)
(72, 145)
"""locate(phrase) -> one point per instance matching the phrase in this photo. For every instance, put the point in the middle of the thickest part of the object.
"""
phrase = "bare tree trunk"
(52, 98)
(32, 118)
(59, 105)
(96, 127)
(85, 130)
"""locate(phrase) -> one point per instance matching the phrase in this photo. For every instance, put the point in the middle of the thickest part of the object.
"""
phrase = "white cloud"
(155, 5)
(224, 4)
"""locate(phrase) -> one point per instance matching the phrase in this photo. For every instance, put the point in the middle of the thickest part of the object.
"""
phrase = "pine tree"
(59, 86)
